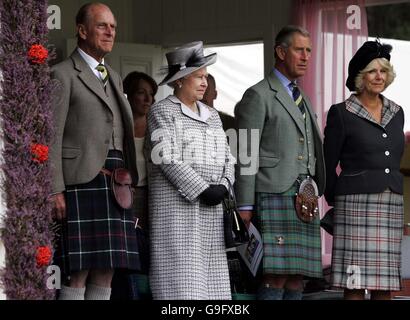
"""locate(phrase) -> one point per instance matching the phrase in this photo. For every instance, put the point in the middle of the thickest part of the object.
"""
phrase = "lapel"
(389, 110)
(88, 77)
(122, 100)
(286, 101)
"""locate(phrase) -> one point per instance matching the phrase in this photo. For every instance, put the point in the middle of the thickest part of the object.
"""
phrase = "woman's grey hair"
(284, 37)
(385, 64)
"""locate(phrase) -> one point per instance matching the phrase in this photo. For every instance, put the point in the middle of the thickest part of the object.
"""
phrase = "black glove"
(213, 195)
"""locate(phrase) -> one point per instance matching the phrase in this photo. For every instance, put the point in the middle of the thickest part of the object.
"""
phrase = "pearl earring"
(180, 85)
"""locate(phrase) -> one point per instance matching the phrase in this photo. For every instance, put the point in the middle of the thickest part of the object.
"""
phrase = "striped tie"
(297, 97)
(104, 73)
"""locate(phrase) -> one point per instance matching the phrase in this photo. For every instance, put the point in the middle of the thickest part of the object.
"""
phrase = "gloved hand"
(213, 195)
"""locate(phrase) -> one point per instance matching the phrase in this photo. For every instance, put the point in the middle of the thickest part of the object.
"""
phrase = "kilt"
(97, 233)
(291, 247)
(368, 230)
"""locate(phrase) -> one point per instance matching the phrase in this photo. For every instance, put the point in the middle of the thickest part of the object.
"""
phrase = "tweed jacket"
(83, 124)
(186, 154)
(369, 153)
(267, 108)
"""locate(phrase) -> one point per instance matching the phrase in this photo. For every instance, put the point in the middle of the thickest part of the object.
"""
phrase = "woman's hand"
(213, 195)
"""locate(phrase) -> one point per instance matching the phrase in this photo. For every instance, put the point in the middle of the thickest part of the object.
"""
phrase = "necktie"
(297, 97)
(104, 73)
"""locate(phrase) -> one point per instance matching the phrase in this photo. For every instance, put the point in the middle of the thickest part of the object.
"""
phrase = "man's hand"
(59, 206)
(246, 216)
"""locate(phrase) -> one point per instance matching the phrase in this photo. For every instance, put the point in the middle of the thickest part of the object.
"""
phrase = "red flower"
(38, 54)
(43, 256)
(40, 152)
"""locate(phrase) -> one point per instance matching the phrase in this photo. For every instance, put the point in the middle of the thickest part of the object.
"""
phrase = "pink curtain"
(338, 28)
(336, 36)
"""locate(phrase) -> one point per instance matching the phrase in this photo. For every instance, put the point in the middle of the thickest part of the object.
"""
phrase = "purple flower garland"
(25, 110)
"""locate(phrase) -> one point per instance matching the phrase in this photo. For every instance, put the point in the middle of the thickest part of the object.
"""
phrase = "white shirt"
(141, 165)
(92, 63)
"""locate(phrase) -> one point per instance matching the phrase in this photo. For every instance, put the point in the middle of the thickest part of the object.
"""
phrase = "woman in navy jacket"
(364, 135)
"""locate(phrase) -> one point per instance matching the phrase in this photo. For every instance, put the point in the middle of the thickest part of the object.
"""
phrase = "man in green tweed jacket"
(289, 150)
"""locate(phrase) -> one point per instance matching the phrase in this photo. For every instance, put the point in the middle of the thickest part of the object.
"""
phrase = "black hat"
(369, 51)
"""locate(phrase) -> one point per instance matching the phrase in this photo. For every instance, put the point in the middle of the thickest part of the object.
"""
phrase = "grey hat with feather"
(185, 60)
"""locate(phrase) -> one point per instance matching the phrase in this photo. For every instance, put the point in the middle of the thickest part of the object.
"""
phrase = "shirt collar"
(285, 81)
(92, 63)
(204, 112)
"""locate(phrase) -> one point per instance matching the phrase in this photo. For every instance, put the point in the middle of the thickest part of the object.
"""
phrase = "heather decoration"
(38, 54)
(25, 113)
(39, 152)
(43, 257)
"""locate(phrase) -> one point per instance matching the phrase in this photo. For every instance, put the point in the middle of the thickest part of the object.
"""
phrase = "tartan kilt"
(97, 233)
(368, 230)
(291, 247)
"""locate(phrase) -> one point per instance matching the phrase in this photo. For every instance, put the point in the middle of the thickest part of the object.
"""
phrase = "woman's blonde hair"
(385, 64)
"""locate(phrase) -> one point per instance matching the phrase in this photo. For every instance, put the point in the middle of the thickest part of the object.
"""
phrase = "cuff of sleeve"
(194, 194)
(225, 182)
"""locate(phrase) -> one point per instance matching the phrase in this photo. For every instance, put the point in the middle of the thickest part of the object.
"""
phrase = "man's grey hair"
(83, 14)
(284, 37)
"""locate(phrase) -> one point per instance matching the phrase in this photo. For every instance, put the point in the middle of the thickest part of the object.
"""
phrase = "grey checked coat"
(187, 153)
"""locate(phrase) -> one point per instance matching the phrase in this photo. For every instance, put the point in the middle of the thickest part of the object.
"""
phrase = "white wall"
(399, 89)
(236, 69)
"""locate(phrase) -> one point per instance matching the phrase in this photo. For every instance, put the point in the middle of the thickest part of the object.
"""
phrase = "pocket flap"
(70, 153)
(268, 161)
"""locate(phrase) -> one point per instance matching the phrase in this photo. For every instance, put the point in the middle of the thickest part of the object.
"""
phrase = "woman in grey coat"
(189, 168)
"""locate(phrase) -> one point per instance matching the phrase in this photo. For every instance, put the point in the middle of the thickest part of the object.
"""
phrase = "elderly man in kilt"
(290, 149)
(94, 131)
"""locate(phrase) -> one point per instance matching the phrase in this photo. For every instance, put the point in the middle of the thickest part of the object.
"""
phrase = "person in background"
(93, 136)
(190, 167)
(364, 134)
(289, 150)
(228, 122)
(140, 89)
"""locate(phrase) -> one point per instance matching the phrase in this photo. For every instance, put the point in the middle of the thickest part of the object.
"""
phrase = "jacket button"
(384, 135)
(387, 170)
(214, 178)
(209, 132)
(301, 140)
(387, 153)
(300, 158)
